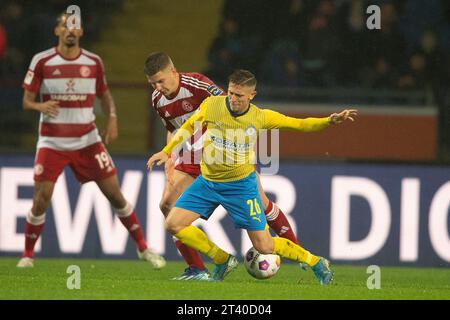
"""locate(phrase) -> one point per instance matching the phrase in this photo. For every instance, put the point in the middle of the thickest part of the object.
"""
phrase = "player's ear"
(253, 94)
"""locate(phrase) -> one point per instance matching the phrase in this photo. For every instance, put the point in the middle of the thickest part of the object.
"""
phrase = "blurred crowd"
(26, 27)
(326, 43)
(288, 43)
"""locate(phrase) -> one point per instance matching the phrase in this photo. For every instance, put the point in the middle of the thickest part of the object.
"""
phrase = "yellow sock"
(287, 249)
(197, 239)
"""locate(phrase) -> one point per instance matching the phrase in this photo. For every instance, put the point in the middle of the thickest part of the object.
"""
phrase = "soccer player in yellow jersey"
(228, 175)
(176, 96)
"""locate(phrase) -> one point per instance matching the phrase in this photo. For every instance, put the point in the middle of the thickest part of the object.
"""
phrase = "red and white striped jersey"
(193, 89)
(74, 83)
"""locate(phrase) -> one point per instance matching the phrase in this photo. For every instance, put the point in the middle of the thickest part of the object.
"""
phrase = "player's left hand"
(337, 118)
(111, 132)
(159, 158)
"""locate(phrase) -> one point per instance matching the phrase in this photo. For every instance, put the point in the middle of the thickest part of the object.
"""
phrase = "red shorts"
(191, 169)
(92, 163)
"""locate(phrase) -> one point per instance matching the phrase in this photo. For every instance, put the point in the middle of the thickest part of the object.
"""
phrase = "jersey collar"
(68, 59)
(234, 114)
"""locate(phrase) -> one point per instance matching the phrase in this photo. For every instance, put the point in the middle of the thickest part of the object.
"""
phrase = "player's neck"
(241, 112)
(238, 113)
(175, 93)
(69, 53)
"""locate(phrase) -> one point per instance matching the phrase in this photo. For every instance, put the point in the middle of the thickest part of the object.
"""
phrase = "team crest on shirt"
(250, 131)
(85, 71)
(214, 91)
(38, 169)
(186, 106)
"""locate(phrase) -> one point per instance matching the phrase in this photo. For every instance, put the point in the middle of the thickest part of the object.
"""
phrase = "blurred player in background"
(176, 97)
(68, 78)
(233, 184)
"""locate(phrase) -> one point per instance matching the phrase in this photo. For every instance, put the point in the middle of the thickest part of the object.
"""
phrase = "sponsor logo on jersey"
(69, 97)
(214, 91)
(167, 114)
(57, 72)
(221, 143)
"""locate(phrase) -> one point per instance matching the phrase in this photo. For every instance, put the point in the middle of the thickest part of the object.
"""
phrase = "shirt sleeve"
(33, 78)
(211, 88)
(188, 128)
(276, 120)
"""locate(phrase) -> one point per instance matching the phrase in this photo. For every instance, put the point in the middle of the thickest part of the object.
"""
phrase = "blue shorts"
(240, 198)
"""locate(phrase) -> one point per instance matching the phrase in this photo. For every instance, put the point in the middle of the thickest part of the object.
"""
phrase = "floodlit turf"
(124, 279)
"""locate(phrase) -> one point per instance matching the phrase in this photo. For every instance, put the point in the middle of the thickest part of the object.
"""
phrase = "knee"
(264, 247)
(165, 206)
(172, 226)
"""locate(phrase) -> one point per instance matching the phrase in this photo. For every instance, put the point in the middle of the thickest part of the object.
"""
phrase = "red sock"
(133, 226)
(191, 256)
(277, 220)
(32, 233)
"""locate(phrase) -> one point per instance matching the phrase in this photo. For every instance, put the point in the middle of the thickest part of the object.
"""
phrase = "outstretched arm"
(276, 120)
(337, 118)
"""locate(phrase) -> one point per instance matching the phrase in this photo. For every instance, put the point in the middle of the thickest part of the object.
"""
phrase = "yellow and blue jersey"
(228, 153)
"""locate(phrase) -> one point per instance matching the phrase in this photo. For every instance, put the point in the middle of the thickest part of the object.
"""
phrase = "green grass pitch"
(126, 279)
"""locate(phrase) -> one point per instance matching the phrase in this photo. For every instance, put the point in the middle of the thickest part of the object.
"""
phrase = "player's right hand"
(159, 158)
(337, 118)
(50, 108)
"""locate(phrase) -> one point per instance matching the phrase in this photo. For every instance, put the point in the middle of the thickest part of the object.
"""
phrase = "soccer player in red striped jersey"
(68, 78)
(175, 98)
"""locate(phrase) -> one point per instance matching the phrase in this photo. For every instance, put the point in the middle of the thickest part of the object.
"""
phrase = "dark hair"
(156, 62)
(64, 14)
(243, 78)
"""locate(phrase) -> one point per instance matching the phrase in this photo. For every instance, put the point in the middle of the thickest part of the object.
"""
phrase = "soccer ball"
(261, 266)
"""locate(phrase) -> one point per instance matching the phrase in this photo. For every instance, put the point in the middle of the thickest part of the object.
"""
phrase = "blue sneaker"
(222, 270)
(194, 274)
(322, 271)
